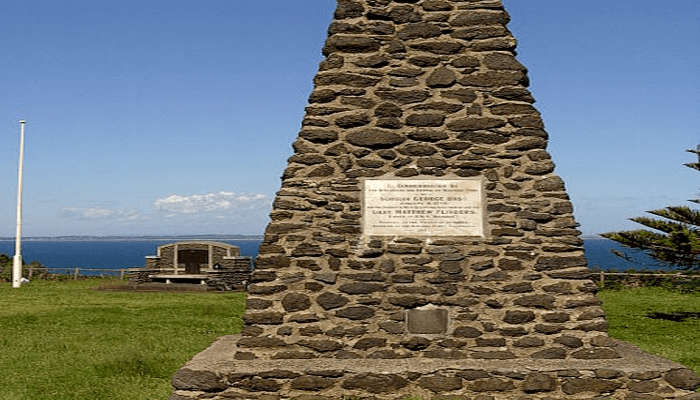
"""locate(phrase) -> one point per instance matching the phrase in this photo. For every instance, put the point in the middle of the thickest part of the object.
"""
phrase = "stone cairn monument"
(421, 244)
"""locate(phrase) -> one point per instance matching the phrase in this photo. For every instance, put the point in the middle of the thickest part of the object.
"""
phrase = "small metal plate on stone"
(430, 321)
(423, 207)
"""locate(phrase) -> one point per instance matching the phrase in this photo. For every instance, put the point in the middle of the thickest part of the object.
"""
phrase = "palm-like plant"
(675, 239)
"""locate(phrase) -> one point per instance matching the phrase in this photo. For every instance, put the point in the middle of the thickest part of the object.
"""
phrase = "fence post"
(602, 279)
(76, 273)
(121, 274)
(31, 270)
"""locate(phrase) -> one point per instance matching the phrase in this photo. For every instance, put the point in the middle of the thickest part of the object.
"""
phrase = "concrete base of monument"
(214, 374)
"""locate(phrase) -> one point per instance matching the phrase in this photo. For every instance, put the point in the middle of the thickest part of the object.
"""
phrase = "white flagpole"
(17, 259)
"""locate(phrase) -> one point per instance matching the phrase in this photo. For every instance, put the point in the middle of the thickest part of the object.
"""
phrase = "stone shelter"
(421, 243)
(214, 264)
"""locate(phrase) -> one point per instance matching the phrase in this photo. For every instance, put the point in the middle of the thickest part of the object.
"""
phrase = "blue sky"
(177, 117)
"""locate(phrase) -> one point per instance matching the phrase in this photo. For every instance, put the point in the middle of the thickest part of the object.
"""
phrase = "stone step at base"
(213, 374)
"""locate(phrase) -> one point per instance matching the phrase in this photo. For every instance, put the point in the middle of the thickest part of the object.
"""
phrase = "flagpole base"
(16, 271)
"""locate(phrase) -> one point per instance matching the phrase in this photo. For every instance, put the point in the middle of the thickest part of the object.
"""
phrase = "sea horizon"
(193, 237)
(133, 237)
(117, 252)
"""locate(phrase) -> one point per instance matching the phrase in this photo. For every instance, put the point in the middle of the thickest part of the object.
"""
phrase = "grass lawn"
(627, 312)
(64, 340)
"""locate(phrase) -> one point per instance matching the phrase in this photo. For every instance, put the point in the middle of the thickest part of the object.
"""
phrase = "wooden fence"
(121, 272)
(76, 272)
(600, 276)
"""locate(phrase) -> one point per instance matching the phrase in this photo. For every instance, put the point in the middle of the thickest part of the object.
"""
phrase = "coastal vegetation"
(38, 269)
(66, 340)
(675, 237)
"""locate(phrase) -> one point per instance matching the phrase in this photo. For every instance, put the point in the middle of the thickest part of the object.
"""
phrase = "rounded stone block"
(295, 302)
(375, 383)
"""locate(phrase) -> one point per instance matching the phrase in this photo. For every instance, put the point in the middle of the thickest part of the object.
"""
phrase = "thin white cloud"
(100, 213)
(210, 202)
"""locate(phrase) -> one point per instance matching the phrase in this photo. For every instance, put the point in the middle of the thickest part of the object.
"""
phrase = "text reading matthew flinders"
(444, 207)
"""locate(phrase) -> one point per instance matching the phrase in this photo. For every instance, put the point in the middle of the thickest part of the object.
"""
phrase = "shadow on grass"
(679, 316)
(134, 366)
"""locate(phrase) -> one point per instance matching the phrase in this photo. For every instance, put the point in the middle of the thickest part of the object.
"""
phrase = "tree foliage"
(39, 270)
(675, 236)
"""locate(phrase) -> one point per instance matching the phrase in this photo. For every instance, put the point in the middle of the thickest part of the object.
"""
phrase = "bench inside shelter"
(216, 264)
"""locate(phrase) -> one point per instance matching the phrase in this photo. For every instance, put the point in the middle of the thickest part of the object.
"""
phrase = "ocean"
(116, 254)
(103, 253)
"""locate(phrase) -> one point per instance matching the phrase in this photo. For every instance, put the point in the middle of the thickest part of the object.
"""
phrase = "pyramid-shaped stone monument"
(421, 243)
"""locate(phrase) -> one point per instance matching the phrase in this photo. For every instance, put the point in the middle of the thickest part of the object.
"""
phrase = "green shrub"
(39, 271)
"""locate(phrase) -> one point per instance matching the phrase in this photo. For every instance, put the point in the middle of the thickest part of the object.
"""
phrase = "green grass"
(627, 311)
(65, 340)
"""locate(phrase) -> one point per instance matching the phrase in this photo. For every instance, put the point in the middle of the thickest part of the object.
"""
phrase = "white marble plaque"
(423, 207)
